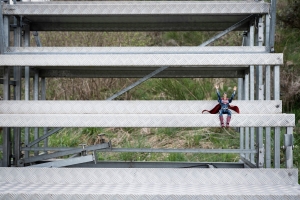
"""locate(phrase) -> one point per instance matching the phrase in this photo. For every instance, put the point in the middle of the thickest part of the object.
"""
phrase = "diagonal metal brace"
(67, 162)
(231, 28)
(62, 153)
(43, 137)
(137, 83)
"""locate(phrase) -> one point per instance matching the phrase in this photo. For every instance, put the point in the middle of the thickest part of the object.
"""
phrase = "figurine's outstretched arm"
(233, 94)
(218, 93)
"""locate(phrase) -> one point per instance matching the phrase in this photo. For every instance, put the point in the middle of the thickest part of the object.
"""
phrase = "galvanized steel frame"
(13, 9)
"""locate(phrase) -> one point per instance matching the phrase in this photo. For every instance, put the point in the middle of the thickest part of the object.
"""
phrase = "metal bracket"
(261, 157)
(261, 32)
(288, 141)
(83, 153)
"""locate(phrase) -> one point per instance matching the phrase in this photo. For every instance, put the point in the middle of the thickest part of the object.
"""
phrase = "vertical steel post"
(252, 89)
(240, 97)
(268, 96)
(17, 91)
(288, 147)
(43, 97)
(246, 97)
(27, 87)
(276, 83)
(2, 36)
(36, 98)
(272, 25)
(6, 96)
(241, 91)
(240, 88)
(6, 148)
(260, 96)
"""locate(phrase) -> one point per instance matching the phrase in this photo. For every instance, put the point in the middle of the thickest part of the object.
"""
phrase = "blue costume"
(224, 108)
(224, 103)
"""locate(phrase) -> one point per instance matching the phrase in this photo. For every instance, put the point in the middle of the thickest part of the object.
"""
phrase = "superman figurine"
(223, 107)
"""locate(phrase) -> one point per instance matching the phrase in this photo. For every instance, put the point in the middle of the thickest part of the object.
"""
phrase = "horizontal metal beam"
(63, 153)
(10, 82)
(134, 107)
(67, 162)
(135, 60)
(143, 120)
(137, 50)
(130, 164)
(139, 72)
(147, 150)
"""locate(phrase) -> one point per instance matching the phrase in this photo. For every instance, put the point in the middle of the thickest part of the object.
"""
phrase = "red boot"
(221, 121)
(228, 121)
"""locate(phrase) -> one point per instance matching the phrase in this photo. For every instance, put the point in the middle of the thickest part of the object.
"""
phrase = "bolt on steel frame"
(255, 84)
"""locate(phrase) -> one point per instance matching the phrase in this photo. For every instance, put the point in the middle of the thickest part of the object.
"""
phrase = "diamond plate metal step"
(137, 50)
(138, 114)
(135, 15)
(144, 120)
(137, 60)
(133, 107)
(126, 183)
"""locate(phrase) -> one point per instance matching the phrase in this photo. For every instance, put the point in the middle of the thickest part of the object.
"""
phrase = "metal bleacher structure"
(29, 175)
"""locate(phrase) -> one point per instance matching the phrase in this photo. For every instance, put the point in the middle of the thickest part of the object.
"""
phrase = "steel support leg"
(272, 25)
(6, 148)
(17, 92)
(6, 130)
(277, 129)
(27, 87)
(36, 98)
(252, 88)
(43, 96)
(2, 36)
(246, 97)
(277, 147)
(268, 147)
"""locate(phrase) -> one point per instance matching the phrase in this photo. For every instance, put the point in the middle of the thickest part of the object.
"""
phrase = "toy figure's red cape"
(218, 107)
